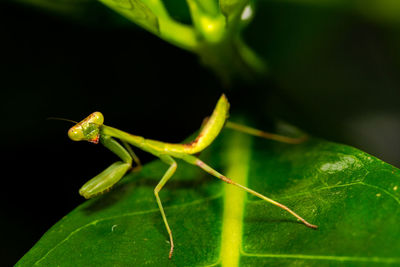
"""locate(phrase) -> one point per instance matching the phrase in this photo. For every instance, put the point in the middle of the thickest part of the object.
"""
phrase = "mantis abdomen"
(211, 129)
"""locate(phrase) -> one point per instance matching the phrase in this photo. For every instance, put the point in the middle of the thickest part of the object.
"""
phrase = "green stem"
(230, 59)
(220, 45)
(178, 34)
(172, 31)
(214, 36)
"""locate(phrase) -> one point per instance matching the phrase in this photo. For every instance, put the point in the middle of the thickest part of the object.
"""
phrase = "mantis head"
(88, 129)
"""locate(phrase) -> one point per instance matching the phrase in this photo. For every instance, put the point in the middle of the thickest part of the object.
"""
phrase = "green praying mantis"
(93, 130)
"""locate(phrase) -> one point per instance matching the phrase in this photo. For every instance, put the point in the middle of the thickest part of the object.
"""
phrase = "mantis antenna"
(60, 119)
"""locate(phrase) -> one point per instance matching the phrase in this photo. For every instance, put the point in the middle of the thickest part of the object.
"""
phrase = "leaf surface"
(353, 197)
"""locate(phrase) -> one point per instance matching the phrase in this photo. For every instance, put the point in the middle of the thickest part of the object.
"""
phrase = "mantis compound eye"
(88, 129)
(96, 118)
(76, 133)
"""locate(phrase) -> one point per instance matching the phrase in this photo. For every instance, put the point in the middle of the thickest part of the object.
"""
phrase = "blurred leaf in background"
(335, 71)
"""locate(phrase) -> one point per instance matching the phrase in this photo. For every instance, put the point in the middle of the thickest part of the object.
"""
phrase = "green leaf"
(136, 11)
(353, 197)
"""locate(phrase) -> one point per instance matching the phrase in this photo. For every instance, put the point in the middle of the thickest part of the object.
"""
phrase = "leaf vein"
(124, 215)
(311, 191)
(324, 257)
(383, 190)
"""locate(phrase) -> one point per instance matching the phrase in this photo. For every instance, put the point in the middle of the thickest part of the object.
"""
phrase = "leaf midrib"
(234, 200)
(323, 257)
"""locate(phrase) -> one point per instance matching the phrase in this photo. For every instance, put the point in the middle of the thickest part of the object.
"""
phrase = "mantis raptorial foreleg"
(168, 174)
(110, 176)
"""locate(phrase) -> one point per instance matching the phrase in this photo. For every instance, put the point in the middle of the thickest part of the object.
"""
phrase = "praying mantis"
(93, 130)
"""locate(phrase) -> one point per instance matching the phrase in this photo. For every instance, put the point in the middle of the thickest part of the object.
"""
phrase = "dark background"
(334, 72)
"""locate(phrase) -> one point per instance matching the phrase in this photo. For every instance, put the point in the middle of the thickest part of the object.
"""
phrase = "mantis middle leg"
(168, 174)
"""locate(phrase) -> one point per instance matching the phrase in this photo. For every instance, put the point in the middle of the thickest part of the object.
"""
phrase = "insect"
(93, 130)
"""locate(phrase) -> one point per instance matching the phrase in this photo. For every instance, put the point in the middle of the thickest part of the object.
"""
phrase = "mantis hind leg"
(263, 134)
(195, 161)
(168, 174)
